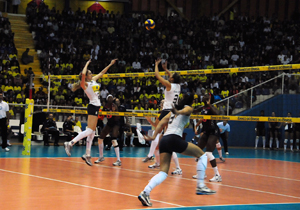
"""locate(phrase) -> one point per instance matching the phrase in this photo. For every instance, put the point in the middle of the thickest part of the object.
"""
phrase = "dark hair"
(176, 78)
(187, 99)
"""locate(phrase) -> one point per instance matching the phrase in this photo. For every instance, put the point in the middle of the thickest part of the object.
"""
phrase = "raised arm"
(154, 124)
(159, 127)
(163, 81)
(83, 74)
(95, 78)
(165, 67)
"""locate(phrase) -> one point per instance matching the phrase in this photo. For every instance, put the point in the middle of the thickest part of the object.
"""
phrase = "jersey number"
(175, 101)
(171, 118)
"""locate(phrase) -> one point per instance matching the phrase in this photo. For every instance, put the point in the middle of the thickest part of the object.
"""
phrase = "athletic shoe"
(132, 145)
(148, 159)
(145, 199)
(6, 149)
(100, 159)
(264, 148)
(87, 159)
(196, 176)
(68, 148)
(216, 178)
(292, 150)
(227, 153)
(177, 171)
(155, 165)
(204, 191)
(117, 163)
(222, 159)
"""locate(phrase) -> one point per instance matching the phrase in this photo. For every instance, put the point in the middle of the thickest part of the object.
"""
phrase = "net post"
(28, 126)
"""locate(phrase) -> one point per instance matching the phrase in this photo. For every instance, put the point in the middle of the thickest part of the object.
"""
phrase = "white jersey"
(176, 124)
(3, 109)
(171, 97)
(93, 93)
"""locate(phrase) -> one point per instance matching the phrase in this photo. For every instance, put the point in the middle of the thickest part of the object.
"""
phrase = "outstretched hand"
(89, 61)
(157, 61)
(113, 61)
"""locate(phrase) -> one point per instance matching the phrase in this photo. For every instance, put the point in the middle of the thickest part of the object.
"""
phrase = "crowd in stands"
(66, 39)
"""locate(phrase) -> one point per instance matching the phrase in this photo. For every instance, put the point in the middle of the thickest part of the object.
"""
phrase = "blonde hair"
(76, 85)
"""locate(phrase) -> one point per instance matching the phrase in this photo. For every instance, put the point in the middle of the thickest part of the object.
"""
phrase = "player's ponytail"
(76, 85)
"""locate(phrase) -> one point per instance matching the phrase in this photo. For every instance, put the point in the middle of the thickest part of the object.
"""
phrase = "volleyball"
(149, 24)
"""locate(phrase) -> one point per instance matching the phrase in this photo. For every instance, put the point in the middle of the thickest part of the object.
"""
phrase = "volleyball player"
(288, 133)
(172, 92)
(274, 132)
(91, 88)
(172, 142)
(209, 135)
(113, 126)
(260, 131)
(178, 170)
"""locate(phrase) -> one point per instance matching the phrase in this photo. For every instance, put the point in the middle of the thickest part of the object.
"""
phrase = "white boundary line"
(242, 172)
(243, 188)
(86, 186)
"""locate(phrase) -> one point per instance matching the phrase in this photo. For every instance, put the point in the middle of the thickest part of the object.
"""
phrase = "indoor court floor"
(48, 179)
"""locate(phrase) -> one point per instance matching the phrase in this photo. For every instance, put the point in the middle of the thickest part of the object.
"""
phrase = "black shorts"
(172, 143)
(260, 132)
(93, 110)
(215, 132)
(164, 113)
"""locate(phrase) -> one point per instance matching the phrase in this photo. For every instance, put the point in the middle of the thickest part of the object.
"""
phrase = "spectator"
(49, 127)
(26, 59)
(68, 128)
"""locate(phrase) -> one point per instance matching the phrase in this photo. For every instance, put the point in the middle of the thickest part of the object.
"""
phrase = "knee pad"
(91, 137)
(89, 131)
(218, 145)
(210, 156)
(114, 143)
(285, 141)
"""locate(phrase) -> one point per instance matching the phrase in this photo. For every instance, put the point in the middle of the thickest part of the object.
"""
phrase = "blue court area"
(140, 152)
(287, 206)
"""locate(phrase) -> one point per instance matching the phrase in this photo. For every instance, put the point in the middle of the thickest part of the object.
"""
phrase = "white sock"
(297, 144)
(285, 144)
(277, 143)
(264, 141)
(291, 143)
(101, 146)
(117, 151)
(157, 157)
(81, 135)
(216, 170)
(153, 146)
(175, 159)
(156, 180)
(201, 167)
(256, 141)
(219, 148)
(271, 142)
(89, 142)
